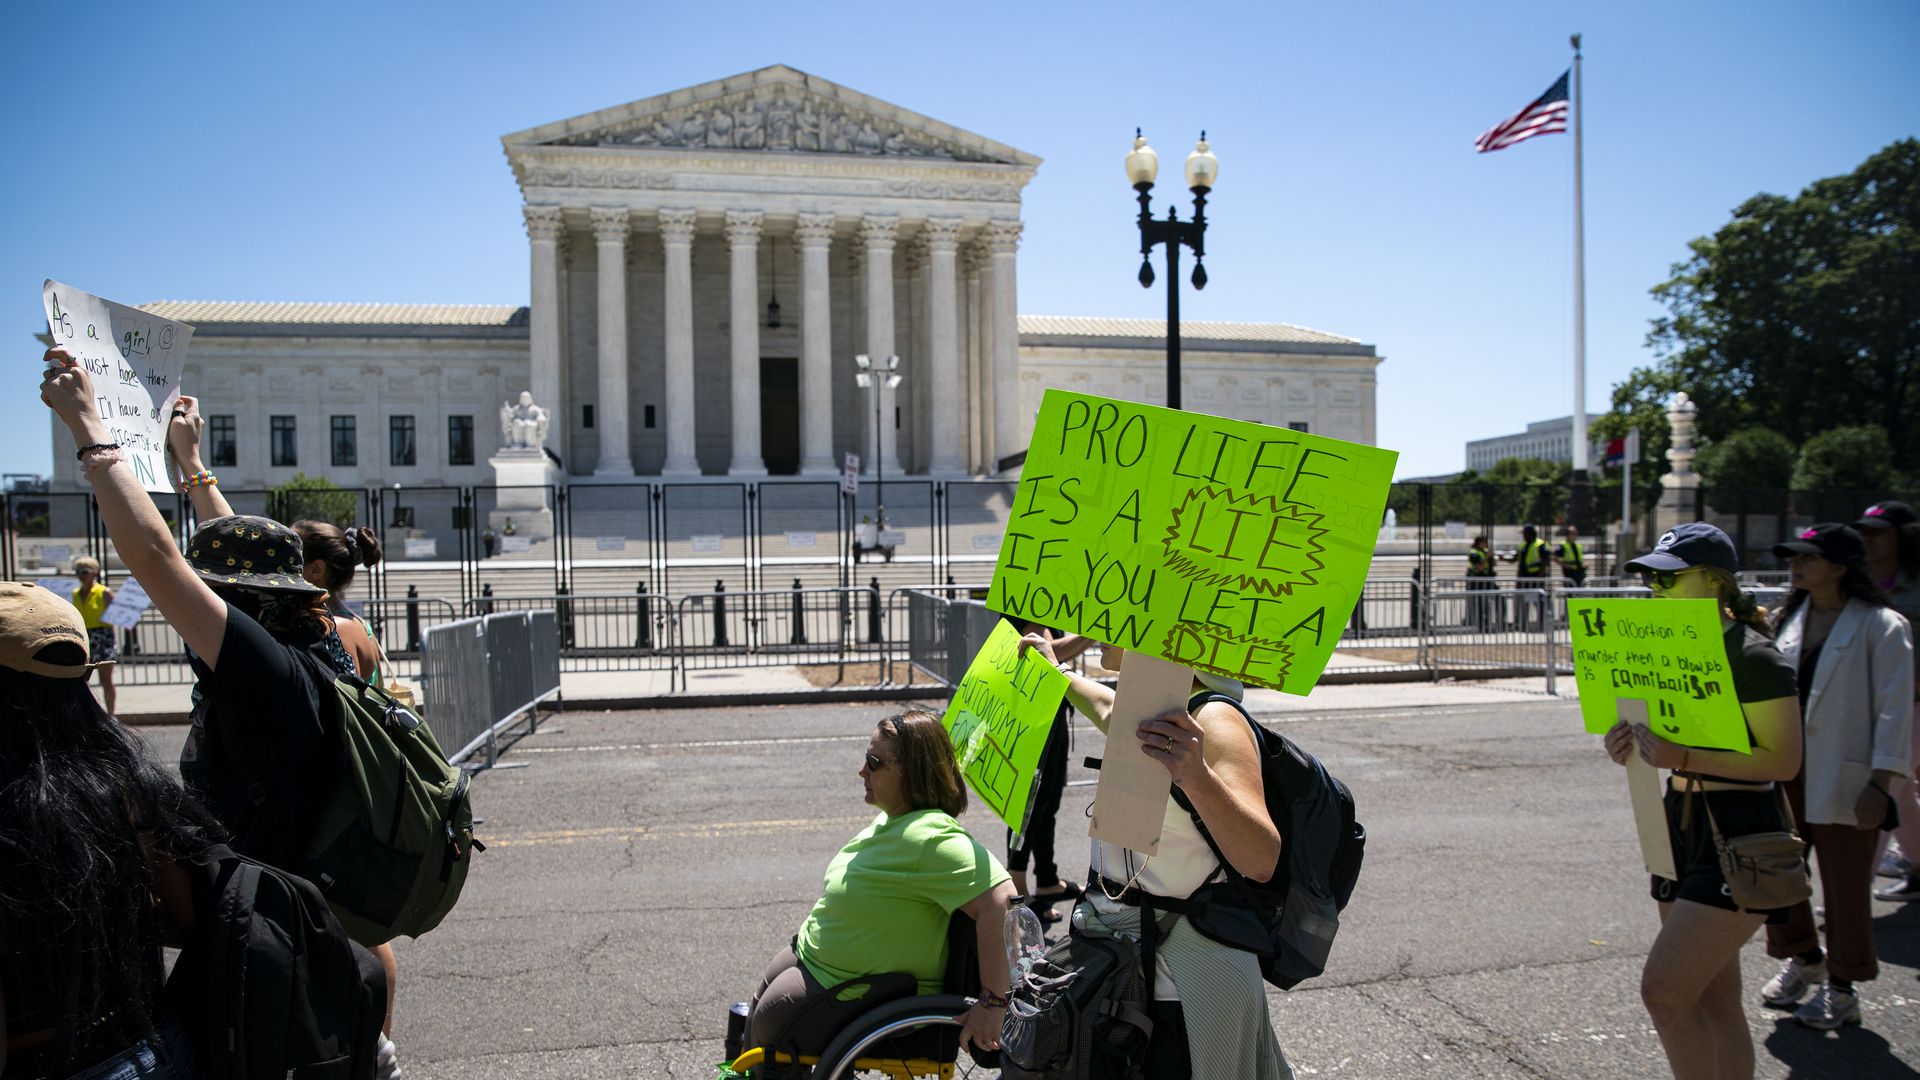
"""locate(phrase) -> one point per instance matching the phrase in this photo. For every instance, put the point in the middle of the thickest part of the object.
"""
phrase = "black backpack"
(269, 987)
(1290, 919)
(1081, 1013)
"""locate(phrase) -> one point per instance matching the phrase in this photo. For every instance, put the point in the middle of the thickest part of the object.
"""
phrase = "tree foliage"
(1801, 314)
(1755, 458)
(313, 497)
(1854, 458)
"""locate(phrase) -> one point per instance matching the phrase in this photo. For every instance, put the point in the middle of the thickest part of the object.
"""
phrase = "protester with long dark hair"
(89, 833)
(1691, 981)
(1890, 531)
(1855, 659)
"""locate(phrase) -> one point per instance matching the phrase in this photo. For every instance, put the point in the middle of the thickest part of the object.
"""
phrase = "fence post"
(643, 638)
(719, 613)
(566, 618)
(1547, 628)
(413, 618)
(874, 634)
(798, 634)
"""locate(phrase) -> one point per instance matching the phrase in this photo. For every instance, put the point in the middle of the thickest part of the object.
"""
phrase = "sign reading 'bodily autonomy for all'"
(1667, 653)
(134, 360)
(1223, 545)
(999, 718)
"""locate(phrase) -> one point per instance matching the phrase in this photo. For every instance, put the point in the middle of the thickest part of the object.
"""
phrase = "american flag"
(1547, 115)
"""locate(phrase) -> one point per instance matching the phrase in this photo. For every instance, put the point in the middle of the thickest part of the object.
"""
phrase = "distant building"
(1544, 440)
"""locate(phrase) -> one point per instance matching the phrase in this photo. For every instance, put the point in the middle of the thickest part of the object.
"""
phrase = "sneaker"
(386, 1061)
(1894, 865)
(1793, 982)
(1828, 1008)
(1907, 888)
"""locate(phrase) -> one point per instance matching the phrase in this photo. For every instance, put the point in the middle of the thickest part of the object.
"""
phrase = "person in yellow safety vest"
(1531, 574)
(1481, 568)
(1572, 559)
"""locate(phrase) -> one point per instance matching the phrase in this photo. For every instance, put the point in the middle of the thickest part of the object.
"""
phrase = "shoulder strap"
(1239, 881)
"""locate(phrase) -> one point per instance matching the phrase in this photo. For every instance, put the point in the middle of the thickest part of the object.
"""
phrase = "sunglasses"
(875, 764)
(1662, 579)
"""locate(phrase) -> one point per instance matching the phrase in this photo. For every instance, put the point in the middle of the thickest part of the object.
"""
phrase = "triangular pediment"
(775, 110)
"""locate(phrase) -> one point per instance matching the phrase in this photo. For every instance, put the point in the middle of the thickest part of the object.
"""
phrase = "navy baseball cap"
(1831, 541)
(1887, 515)
(1693, 544)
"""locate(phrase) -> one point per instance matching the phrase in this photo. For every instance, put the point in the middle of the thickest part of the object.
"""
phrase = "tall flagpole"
(1582, 444)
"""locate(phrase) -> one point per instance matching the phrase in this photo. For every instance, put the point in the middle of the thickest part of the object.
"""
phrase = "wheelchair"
(902, 1036)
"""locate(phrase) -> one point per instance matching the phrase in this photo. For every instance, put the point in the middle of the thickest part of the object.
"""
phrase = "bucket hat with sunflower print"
(246, 552)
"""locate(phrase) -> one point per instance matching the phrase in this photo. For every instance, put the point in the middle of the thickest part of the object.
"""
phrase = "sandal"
(1065, 890)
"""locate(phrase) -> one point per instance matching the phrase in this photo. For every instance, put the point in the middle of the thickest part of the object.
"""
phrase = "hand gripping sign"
(134, 359)
(1228, 546)
(999, 719)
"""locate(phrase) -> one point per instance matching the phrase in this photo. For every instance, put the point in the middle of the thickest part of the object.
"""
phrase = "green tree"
(1754, 458)
(313, 497)
(1857, 458)
(1801, 314)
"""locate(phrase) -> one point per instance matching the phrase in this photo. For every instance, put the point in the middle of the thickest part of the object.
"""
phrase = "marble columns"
(610, 229)
(815, 234)
(676, 236)
(543, 316)
(743, 332)
(949, 386)
(879, 231)
(1003, 240)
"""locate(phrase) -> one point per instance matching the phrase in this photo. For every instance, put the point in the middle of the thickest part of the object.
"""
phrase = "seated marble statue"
(523, 426)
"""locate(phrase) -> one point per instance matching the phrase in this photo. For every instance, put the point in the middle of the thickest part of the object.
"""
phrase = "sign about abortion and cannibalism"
(1223, 545)
(134, 359)
(999, 718)
(1667, 653)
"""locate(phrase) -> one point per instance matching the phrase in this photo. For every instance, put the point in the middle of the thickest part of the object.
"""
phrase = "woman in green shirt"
(889, 895)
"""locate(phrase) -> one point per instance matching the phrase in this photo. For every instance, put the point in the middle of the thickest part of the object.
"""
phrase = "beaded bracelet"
(203, 478)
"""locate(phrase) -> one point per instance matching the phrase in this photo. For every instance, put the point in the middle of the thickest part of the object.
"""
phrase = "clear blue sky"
(351, 151)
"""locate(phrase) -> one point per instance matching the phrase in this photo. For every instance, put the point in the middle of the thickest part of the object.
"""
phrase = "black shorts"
(1739, 813)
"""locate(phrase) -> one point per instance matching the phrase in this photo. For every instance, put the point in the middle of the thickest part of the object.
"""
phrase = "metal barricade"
(481, 675)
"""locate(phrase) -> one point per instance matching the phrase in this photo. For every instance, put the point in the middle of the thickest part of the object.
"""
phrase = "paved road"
(644, 867)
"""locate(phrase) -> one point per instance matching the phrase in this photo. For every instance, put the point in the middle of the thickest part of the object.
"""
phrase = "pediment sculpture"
(779, 119)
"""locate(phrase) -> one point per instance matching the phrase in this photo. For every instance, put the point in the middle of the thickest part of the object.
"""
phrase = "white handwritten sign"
(134, 360)
(422, 547)
(64, 587)
(892, 538)
(797, 540)
(514, 544)
(706, 543)
(129, 602)
(610, 543)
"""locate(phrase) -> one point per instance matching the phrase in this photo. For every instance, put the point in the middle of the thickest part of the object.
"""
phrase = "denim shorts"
(164, 1055)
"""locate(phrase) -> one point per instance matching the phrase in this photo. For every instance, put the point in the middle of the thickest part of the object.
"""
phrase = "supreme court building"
(704, 266)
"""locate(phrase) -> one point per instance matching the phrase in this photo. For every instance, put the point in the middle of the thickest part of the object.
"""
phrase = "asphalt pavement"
(643, 868)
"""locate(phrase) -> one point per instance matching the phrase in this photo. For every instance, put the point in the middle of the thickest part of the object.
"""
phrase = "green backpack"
(390, 849)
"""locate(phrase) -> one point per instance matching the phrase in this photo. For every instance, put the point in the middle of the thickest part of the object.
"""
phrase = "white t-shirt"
(1183, 864)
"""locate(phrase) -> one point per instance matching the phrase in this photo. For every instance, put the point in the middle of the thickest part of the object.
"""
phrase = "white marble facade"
(658, 232)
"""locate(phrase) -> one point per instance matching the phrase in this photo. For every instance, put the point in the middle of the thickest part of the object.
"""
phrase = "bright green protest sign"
(1228, 546)
(999, 719)
(1668, 653)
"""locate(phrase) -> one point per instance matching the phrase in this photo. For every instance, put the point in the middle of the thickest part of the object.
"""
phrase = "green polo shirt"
(889, 895)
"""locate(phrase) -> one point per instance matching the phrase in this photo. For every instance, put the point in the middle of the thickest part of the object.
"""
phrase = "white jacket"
(1859, 715)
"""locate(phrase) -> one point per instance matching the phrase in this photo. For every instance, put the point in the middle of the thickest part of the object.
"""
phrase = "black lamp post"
(877, 376)
(1143, 165)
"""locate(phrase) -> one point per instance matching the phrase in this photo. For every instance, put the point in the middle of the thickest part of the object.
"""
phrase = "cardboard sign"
(1667, 653)
(999, 718)
(1130, 805)
(129, 603)
(134, 360)
(1649, 802)
(1217, 544)
(63, 587)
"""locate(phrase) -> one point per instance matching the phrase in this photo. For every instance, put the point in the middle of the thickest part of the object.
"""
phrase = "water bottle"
(1026, 942)
(736, 1030)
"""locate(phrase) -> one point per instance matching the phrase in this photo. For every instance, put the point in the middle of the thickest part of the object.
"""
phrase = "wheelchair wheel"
(912, 1037)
